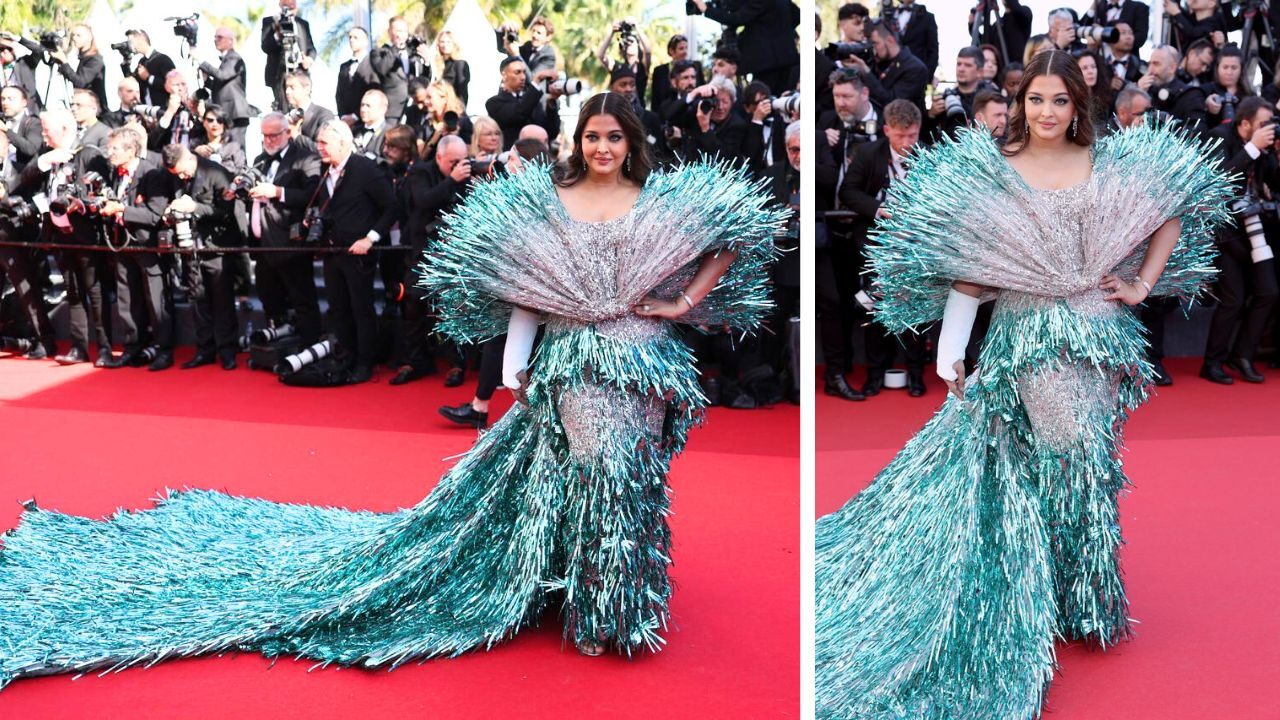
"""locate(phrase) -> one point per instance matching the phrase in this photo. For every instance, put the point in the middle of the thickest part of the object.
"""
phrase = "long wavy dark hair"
(608, 103)
(1062, 64)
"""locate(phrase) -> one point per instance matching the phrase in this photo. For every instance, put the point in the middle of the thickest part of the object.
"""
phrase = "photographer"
(765, 144)
(766, 39)
(19, 71)
(19, 223)
(1228, 88)
(215, 146)
(1203, 20)
(200, 206)
(136, 217)
(917, 30)
(20, 127)
(1062, 30)
(517, 104)
(89, 131)
(663, 87)
(283, 179)
(227, 84)
(90, 71)
(179, 122)
(1009, 32)
(900, 75)
(1196, 68)
(1246, 272)
(435, 113)
(129, 93)
(1110, 13)
(711, 128)
(684, 78)
(305, 117)
(951, 109)
(625, 83)
(368, 134)
(355, 76)
(355, 208)
(148, 66)
(402, 58)
(634, 48)
(286, 41)
(58, 175)
(991, 111)
(1171, 95)
(1121, 57)
(785, 183)
(538, 54)
(431, 189)
(873, 169)
(1131, 108)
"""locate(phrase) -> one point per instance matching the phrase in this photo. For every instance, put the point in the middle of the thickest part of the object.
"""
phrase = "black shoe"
(134, 359)
(455, 377)
(1245, 368)
(228, 361)
(40, 351)
(360, 374)
(874, 384)
(1163, 378)
(1213, 373)
(163, 361)
(837, 386)
(408, 373)
(107, 360)
(915, 384)
(464, 414)
(72, 357)
(740, 400)
(19, 346)
(711, 388)
(197, 361)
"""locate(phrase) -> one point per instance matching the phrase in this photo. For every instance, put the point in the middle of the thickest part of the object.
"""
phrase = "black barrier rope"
(325, 250)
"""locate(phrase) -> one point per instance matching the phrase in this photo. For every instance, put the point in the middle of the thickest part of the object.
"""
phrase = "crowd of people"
(880, 98)
(150, 199)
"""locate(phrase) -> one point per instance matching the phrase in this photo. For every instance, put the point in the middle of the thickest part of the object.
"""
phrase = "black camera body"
(244, 181)
(187, 28)
(841, 50)
(19, 211)
(124, 48)
(479, 167)
(706, 105)
(512, 37)
(180, 227)
(1101, 33)
(52, 40)
(317, 232)
(954, 105)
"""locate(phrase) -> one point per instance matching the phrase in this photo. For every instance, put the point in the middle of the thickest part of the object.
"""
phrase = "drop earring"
(1075, 124)
(626, 163)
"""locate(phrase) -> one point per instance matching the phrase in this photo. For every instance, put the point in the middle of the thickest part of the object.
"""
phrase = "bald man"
(226, 84)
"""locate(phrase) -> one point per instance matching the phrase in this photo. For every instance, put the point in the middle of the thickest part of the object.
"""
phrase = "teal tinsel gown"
(565, 499)
(943, 586)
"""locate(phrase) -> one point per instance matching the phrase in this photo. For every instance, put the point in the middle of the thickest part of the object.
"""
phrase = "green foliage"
(18, 17)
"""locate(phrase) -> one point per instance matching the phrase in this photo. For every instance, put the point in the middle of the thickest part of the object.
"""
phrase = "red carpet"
(87, 441)
(1201, 564)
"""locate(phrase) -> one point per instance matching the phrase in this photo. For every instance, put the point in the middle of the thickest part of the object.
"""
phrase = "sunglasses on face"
(213, 120)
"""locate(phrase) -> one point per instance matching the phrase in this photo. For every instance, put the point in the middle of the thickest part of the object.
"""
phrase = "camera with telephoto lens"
(245, 180)
(479, 167)
(1098, 33)
(1249, 210)
(19, 211)
(841, 50)
(52, 40)
(564, 86)
(295, 116)
(124, 48)
(512, 37)
(187, 28)
(788, 105)
(96, 192)
(181, 223)
(150, 112)
(706, 105)
(953, 104)
(287, 30)
(1228, 101)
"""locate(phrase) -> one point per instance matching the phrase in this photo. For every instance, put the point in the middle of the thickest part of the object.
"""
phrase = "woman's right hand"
(956, 387)
(521, 393)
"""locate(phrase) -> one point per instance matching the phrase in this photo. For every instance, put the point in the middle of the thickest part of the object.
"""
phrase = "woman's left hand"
(1127, 293)
(657, 307)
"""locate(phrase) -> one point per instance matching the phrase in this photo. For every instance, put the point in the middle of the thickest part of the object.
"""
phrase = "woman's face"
(604, 145)
(445, 45)
(489, 139)
(990, 65)
(1088, 68)
(1229, 72)
(213, 127)
(1048, 108)
(436, 101)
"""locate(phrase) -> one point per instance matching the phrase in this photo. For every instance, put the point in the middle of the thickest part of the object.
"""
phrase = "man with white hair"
(1062, 30)
(714, 131)
(356, 206)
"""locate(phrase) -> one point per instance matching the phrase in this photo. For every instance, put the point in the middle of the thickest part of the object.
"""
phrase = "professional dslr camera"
(314, 225)
(479, 167)
(788, 105)
(178, 230)
(1228, 101)
(19, 210)
(245, 180)
(1100, 33)
(953, 104)
(863, 50)
(564, 86)
(287, 29)
(52, 40)
(1249, 210)
(94, 192)
(124, 48)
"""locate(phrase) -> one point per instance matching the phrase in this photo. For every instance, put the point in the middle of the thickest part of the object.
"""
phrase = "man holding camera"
(765, 144)
(19, 71)
(403, 57)
(136, 217)
(1246, 272)
(1169, 93)
(283, 181)
(177, 123)
(538, 54)
(200, 200)
(20, 126)
(1125, 64)
(900, 75)
(710, 127)
(766, 39)
(356, 75)
(517, 104)
(305, 117)
(18, 223)
(1062, 31)
(917, 31)
(148, 66)
(1111, 13)
(227, 85)
(286, 41)
(353, 209)
(951, 109)
(663, 86)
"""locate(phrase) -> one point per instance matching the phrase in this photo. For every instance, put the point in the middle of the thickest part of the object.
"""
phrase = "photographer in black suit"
(356, 75)
(143, 278)
(19, 269)
(873, 168)
(918, 31)
(19, 71)
(150, 69)
(517, 104)
(402, 58)
(199, 198)
(1246, 270)
(227, 84)
(286, 41)
(20, 125)
(90, 71)
(58, 173)
(709, 124)
(1109, 13)
(355, 207)
(285, 280)
(766, 41)
(899, 74)
(305, 117)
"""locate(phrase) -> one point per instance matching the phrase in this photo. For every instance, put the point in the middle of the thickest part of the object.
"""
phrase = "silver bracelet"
(687, 300)
(1145, 284)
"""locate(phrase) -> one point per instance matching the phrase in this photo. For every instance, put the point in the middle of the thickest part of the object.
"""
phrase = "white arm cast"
(957, 324)
(521, 331)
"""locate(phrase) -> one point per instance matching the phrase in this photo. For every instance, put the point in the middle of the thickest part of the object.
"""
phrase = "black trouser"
(491, 352)
(836, 283)
(882, 350)
(213, 304)
(773, 338)
(80, 270)
(287, 281)
(1153, 314)
(17, 268)
(416, 323)
(1237, 276)
(348, 285)
(778, 79)
(142, 281)
(981, 324)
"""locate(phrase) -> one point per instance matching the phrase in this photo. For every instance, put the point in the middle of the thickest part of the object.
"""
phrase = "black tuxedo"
(368, 141)
(23, 74)
(388, 63)
(313, 118)
(903, 78)
(352, 84)
(274, 51)
(144, 297)
(513, 113)
(27, 138)
(726, 139)
(1184, 102)
(209, 283)
(424, 196)
(158, 66)
(363, 202)
(18, 263)
(660, 87)
(921, 37)
(823, 67)
(90, 74)
(458, 74)
(95, 135)
(767, 38)
(286, 280)
(1013, 25)
(1134, 14)
(762, 154)
(227, 85)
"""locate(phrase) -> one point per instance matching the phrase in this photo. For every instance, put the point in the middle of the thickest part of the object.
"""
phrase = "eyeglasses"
(274, 134)
(215, 120)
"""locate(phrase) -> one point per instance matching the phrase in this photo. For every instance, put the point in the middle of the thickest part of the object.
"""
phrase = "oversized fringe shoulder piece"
(964, 213)
(511, 242)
